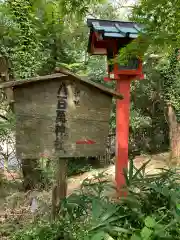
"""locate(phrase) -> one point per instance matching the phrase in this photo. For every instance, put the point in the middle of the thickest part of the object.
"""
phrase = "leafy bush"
(150, 211)
(46, 170)
(78, 166)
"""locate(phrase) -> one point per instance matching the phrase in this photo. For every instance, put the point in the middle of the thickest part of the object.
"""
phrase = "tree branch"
(3, 117)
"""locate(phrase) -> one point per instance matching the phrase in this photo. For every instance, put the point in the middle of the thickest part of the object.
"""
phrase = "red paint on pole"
(122, 129)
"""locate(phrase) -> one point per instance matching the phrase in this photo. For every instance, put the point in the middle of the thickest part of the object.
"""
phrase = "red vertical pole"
(122, 129)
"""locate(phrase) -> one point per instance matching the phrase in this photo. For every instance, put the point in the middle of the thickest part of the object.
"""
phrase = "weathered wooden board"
(39, 110)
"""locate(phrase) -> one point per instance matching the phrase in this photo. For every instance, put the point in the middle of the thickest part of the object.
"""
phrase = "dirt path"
(157, 162)
(74, 183)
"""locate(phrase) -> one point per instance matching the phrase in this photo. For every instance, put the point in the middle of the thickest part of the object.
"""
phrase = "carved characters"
(60, 127)
(66, 98)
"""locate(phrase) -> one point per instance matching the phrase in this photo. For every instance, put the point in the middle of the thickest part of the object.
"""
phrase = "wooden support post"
(59, 191)
(61, 178)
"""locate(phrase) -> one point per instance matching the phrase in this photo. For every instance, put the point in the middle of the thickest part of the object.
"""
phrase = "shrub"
(78, 166)
(151, 211)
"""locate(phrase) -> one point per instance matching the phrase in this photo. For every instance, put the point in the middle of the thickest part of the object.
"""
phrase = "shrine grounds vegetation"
(151, 211)
(34, 37)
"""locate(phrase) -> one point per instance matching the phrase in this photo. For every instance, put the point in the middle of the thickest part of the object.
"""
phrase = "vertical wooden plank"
(61, 178)
(59, 193)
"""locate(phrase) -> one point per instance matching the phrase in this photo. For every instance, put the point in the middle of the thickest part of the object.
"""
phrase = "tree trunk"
(31, 174)
(174, 137)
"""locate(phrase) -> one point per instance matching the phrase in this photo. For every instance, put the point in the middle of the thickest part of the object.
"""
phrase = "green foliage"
(1, 179)
(35, 34)
(44, 231)
(149, 127)
(78, 8)
(35, 39)
(26, 50)
(46, 170)
(160, 28)
(149, 212)
(7, 126)
(160, 20)
(171, 84)
(78, 166)
(161, 36)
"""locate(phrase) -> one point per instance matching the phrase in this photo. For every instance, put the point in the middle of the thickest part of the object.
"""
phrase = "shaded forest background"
(38, 36)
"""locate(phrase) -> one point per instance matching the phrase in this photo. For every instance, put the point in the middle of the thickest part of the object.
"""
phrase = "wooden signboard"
(61, 113)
